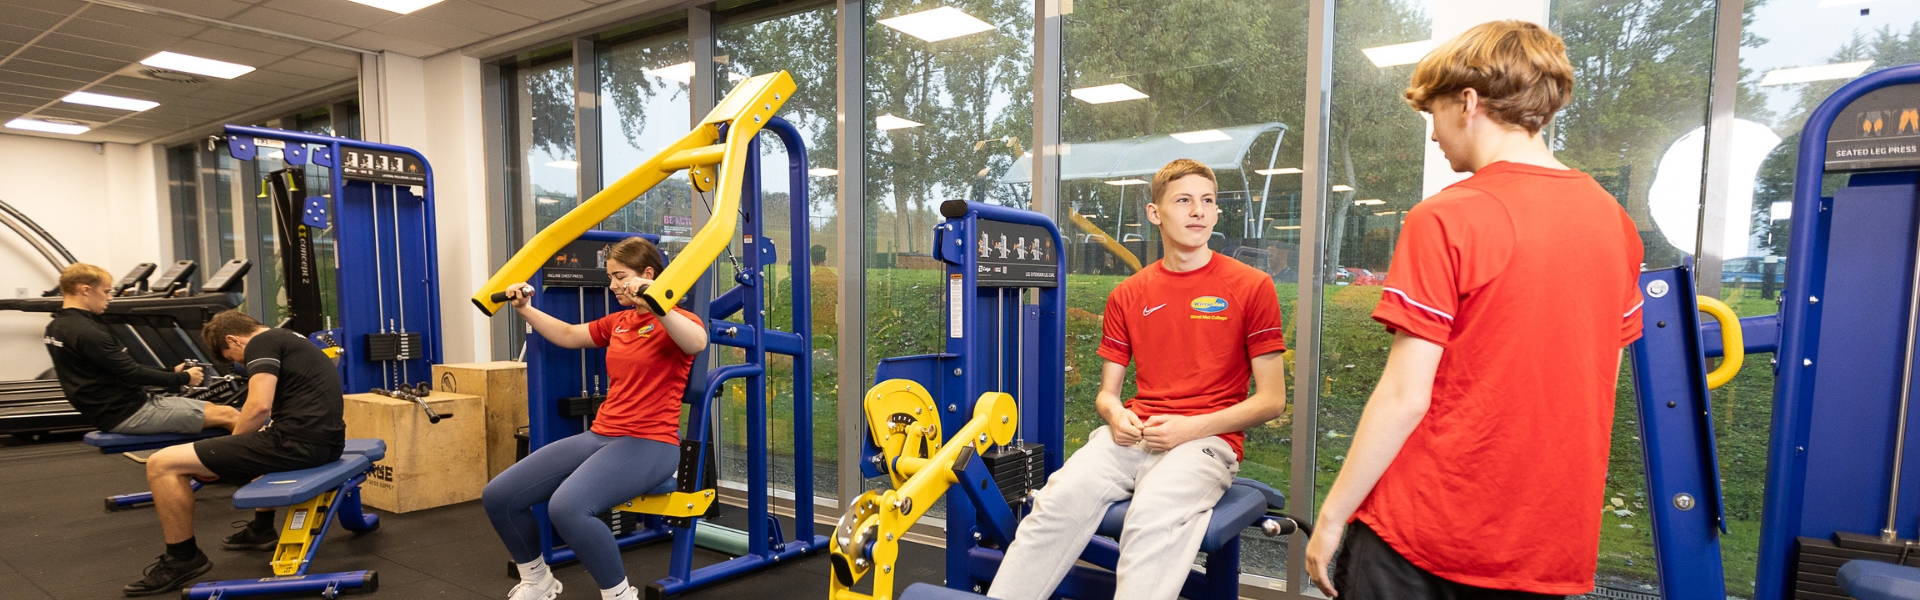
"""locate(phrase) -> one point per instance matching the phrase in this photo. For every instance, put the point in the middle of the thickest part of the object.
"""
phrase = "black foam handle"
(499, 297)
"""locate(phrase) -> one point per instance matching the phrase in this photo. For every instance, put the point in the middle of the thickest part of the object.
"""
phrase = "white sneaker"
(545, 589)
(631, 593)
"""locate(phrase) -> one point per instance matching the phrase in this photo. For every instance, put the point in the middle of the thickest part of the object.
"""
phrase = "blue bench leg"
(1223, 571)
(121, 501)
(352, 516)
(346, 507)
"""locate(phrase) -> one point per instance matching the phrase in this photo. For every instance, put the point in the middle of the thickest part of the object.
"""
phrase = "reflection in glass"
(543, 97)
(647, 89)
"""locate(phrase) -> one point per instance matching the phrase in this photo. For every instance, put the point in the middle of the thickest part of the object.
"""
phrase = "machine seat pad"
(928, 591)
(372, 448)
(293, 487)
(128, 442)
(667, 486)
(1243, 504)
(1871, 580)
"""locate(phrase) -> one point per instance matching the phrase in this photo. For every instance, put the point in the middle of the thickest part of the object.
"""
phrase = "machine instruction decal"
(1881, 130)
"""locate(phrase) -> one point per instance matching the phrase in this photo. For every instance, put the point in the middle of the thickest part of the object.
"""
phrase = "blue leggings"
(578, 477)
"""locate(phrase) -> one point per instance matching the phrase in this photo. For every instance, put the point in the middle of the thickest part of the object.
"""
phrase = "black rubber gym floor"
(56, 541)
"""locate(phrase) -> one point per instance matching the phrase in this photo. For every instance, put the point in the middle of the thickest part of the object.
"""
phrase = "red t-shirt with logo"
(1529, 277)
(647, 376)
(1194, 334)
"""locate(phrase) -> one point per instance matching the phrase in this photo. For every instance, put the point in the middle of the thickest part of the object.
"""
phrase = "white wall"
(102, 201)
(434, 106)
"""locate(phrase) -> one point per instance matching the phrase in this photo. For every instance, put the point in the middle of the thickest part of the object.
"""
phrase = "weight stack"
(620, 523)
(1017, 469)
(1820, 562)
(382, 347)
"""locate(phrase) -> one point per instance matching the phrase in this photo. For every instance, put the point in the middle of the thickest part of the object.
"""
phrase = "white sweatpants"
(1173, 495)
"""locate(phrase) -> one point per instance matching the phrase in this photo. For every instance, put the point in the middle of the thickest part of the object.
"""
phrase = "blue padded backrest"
(1869, 580)
(293, 487)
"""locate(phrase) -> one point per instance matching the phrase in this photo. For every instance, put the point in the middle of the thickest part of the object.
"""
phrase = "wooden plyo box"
(428, 464)
(502, 387)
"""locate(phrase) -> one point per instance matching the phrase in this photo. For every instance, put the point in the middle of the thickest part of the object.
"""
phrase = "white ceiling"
(50, 48)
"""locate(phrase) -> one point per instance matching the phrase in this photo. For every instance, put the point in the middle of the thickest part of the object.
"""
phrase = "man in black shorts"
(289, 379)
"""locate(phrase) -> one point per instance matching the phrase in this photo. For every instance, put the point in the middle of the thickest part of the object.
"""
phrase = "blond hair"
(1180, 167)
(1519, 69)
(79, 274)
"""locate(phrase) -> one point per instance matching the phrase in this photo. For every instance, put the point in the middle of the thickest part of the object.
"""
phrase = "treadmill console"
(230, 277)
(135, 280)
(176, 278)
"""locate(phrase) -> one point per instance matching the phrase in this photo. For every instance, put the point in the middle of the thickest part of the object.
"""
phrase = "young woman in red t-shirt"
(632, 447)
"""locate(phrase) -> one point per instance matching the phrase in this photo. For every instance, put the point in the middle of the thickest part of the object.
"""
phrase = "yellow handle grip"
(1730, 340)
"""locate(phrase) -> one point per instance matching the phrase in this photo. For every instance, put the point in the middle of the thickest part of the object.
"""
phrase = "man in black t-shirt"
(289, 380)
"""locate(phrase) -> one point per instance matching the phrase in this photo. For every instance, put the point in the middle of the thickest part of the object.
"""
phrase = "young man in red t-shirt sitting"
(1201, 325)
(1480, 457)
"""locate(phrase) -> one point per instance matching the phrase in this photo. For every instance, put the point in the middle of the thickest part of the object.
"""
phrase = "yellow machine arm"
(705, 158)
(1106, 241)
(905, 423)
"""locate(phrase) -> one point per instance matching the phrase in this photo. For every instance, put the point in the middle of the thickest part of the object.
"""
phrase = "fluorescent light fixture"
(1341, 187)
(47, 126)
(942, 23)
(1128, 181)
(823, 172)
(196, 65)
(1385, 213)
(1284, 171)
(1398, 54)
(276, 155)
(399, 6)
(103, 100)
(546, 200)
(1133, 224)
(1112, 92)
(1286, 227)
(888, 122)
(565, 164)
(1368, 202)
(682, 72)
(1816, 73)
(1202, 136)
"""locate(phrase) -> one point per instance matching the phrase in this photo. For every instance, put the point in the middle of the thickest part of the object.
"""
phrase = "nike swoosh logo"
(1149, 312)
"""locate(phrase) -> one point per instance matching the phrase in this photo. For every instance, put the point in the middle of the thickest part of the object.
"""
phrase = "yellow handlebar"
(1730, 340)
(701, 153)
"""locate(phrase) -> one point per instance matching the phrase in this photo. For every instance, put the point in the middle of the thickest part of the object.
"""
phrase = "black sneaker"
(169, 575)
(248, 539)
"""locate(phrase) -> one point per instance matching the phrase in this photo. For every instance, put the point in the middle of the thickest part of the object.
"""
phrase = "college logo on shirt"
(1209, 305)
(646, 331)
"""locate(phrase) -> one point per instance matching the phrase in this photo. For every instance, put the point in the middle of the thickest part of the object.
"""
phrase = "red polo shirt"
(1529, 277)
(647, 376)
(1195, 335)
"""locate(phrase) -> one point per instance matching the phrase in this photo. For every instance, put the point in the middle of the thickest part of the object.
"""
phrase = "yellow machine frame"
(304, 522)
(905, 423)
(701, 153)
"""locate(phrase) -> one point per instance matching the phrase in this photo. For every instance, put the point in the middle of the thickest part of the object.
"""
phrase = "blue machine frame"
(984, 354)
(1839, 341)
(367, 243)
(553, 373)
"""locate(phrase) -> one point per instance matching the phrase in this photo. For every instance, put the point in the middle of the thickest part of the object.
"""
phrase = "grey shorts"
(166, 414)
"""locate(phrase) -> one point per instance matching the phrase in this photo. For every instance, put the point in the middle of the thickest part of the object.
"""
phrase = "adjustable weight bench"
(1247, 503)
(113, 443)
(313, 497)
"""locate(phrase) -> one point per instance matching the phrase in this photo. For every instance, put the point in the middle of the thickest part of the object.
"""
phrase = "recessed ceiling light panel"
(1281, 171)
(103, 100)
(942, 23)
(1398, 54)
(1112, 92)
(1128, 181)
(888, 122)
(1848, 70)
(196, 65)
(399, 6)
(48, 126)
(822, 172)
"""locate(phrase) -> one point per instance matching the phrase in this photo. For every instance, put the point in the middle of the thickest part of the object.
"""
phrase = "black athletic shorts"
(1367, 568)
(238, 459)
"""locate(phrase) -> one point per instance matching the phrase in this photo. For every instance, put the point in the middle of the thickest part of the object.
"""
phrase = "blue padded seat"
(667, 486)
(372, 448)
(1245, 501)
(293, 487)
(127, 442)
(1871, 580)
(928, 591)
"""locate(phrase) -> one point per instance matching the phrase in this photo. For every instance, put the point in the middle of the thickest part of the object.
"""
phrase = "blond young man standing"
(1481, 454)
